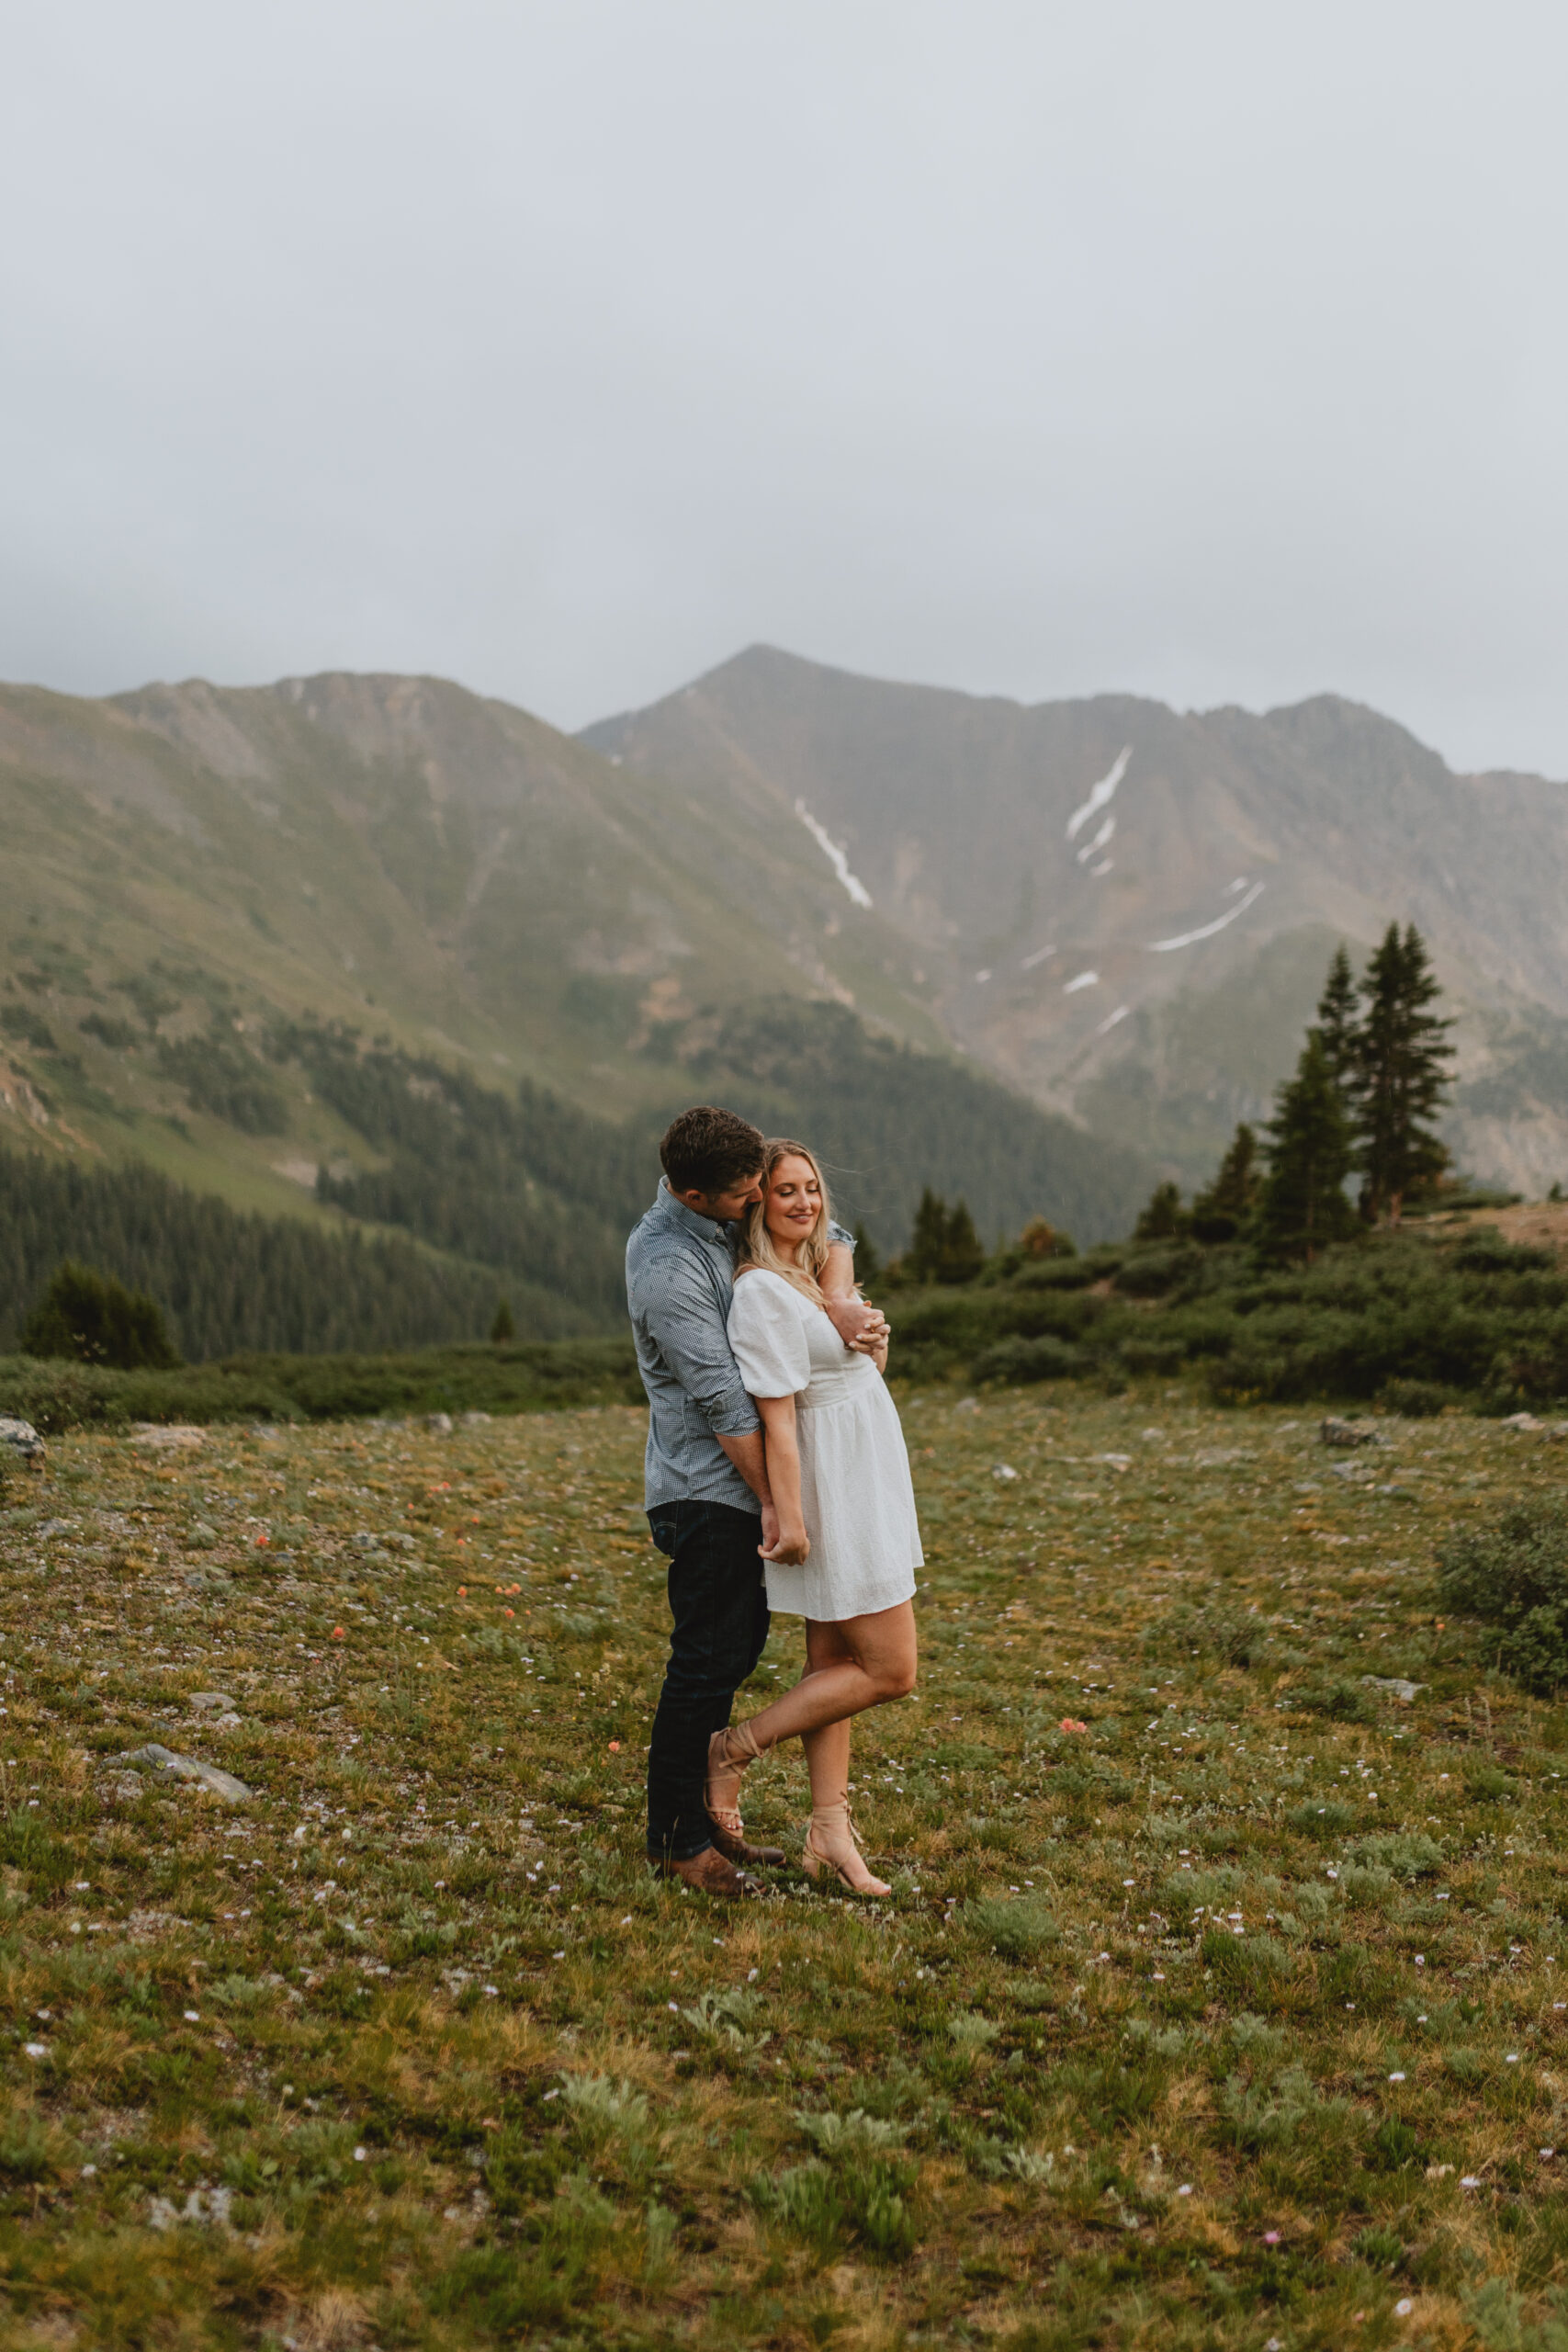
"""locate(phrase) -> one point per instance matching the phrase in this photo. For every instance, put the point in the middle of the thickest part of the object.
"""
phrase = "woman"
(848, 1545)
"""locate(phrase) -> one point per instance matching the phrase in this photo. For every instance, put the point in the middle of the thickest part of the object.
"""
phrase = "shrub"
(1415, 1400)
(1407, 1855)
(1016, 1929)
(1018, 1360)
(21, 1021)
(88, 1317)
(1234, 1636)
(1153, 1272)
(116, 1035)
(1514, 1576)
(1328, 1823)
(1151, 1359)
(1068, 1273)
(1486, 1251)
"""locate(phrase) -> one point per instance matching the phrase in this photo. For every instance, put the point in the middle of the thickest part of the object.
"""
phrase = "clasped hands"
(862, 1328)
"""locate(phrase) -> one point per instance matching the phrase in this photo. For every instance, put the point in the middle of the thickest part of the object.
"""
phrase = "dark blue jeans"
(720, 1607)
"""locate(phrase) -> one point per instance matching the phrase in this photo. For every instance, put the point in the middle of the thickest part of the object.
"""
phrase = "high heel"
(833, 1821)
(730, 1752)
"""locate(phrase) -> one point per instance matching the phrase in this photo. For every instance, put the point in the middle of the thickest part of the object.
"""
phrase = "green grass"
(410, 2052)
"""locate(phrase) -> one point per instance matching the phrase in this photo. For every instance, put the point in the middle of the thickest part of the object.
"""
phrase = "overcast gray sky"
(1217, 352)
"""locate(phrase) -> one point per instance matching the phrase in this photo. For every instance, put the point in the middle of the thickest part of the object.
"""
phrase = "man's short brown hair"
(707, 1150)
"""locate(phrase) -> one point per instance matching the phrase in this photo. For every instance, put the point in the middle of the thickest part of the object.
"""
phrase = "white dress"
(855, 1490)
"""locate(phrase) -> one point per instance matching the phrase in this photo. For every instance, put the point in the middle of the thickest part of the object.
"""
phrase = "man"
(706, 1480)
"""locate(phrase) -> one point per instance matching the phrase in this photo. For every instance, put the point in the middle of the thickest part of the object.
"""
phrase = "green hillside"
(371, 954)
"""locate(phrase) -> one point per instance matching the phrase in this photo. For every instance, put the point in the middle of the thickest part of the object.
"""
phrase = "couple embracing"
(777, 1479)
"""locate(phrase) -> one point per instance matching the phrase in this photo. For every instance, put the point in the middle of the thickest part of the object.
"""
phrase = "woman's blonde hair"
(757, 1245)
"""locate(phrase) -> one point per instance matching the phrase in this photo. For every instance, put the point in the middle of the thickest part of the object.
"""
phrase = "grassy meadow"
(1219, 2003)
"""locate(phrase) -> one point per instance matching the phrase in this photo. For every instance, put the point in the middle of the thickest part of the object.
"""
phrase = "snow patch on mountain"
(837, 858)
(1100, 792)
(1207, 929)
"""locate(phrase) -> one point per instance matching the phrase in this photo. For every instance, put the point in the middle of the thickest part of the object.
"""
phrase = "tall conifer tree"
(1162, 1218)
(1310, 1155)
(1340, 1020)
(1399, 1078)
(1220, 1211)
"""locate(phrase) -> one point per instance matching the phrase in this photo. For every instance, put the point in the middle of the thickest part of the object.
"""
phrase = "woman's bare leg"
(827, 1746)
(831, 1840)
(861, 1662)
(850, 1665)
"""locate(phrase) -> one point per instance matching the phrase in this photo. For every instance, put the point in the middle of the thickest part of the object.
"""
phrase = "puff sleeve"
(768, 1336)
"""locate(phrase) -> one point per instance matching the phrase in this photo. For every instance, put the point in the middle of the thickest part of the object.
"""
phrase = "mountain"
(382, 953)
(1126, 911)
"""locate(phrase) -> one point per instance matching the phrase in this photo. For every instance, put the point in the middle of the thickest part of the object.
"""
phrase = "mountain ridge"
(1069, 961)
(196, 874)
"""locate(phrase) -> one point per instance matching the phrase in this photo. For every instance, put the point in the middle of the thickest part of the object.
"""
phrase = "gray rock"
(165, 1764)
(476, 1420)
(23, 1440)
(201, 1537)
(1394, 1686)
(439, 1424)
(208, 1702)
(1335, 1431)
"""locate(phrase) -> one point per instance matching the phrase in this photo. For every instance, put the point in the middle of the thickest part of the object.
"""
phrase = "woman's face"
(793, 1204)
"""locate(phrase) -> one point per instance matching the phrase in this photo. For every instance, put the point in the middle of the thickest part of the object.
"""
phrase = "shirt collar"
(704, 1228)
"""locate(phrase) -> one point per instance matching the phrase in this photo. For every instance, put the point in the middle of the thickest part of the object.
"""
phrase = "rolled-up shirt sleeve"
(685, 1322)
(836, 1233)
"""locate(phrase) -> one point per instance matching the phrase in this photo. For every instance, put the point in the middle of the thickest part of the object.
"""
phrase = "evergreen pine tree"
(1310, 1155)
(1399, 1080)
(1339, 1021)
(503, 1328)
(945, 1246)
(1220, 1211)
(962, 1255)
(1162, 1217)
(923, 1258)
(868, 1264)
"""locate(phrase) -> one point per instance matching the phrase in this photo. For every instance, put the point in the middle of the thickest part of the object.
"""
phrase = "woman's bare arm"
(790, 1547)
(857, 1324)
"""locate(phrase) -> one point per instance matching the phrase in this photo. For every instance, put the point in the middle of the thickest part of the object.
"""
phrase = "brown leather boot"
(708, 1873)
(751, 1857)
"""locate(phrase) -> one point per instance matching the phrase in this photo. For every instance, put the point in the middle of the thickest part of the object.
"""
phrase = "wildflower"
(1070, 1723)
(337, 1633)
(614, 1748)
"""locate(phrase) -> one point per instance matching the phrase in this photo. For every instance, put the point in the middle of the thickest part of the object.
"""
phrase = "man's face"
(724, 1207)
